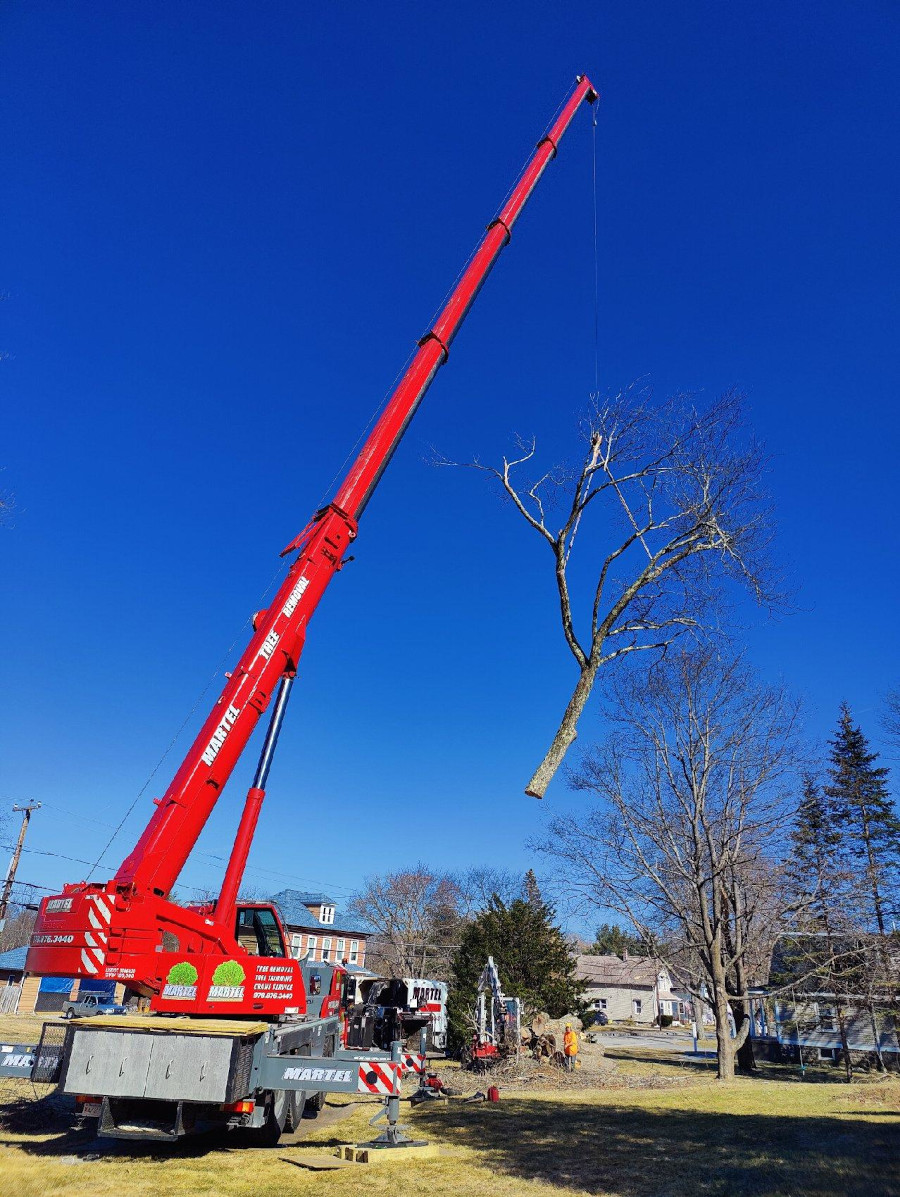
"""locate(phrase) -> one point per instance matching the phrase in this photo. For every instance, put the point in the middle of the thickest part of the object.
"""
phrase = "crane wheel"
(280, 1112)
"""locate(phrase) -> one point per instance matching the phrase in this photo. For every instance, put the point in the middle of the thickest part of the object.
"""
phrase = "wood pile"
(543, 1038)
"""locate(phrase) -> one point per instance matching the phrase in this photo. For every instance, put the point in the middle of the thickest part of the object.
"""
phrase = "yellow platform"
(178, 1026)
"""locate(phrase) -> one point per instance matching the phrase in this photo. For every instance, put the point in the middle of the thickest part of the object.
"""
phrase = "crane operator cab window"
(258, 933)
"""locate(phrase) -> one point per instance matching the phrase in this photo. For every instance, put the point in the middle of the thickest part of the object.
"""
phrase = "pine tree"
(817, 955)
(812, 868)
(870, 829)
(531, 955)
(531, 891)
(613, 940)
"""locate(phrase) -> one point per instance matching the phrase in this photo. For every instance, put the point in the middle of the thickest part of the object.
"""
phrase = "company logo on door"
(181, 983)
(227, 983)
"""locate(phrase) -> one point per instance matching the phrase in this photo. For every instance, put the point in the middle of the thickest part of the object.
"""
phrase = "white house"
(629, 988)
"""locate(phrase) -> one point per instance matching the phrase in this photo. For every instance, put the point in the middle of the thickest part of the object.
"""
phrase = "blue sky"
(225, 226)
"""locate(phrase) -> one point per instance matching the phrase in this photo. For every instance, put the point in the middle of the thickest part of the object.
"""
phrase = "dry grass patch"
(681, 1135)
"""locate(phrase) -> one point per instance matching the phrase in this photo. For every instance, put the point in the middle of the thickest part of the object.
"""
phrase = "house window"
(600, 1003)
(637, 1006)
(296, 946)
(354, 951)
(341, 946)
(826, 1018)
(326, 948)
(326, 914)
(311, 947)
(827, 1053)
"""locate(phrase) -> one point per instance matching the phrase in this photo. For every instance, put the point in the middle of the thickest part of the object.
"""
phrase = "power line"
(26, 810)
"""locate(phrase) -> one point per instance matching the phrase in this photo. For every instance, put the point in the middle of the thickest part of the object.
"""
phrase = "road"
(661, 1041)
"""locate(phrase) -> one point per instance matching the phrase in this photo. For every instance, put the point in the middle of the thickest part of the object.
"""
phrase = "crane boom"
(134, 905)
(162, 850)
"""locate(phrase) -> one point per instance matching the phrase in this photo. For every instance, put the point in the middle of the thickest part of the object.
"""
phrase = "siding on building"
(811, 1022)
(631, 988)
(28, 996)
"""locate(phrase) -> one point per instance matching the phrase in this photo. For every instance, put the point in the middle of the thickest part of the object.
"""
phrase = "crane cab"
(259, 930)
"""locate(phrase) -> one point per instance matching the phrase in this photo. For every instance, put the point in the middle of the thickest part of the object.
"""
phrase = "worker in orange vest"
(570, 1047)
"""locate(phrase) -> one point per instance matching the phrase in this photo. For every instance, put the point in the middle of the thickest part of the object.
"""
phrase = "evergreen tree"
(531, 891)
(817, 955)
(870, 829)
(613, 940)
(531, 955)
(812, 870)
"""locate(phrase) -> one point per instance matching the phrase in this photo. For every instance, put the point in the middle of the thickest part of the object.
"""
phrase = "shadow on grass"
(635, 1152)
(49, 1126)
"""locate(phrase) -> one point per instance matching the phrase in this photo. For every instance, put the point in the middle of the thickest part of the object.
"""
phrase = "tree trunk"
(724, 1049)
(882, 1067)
(565, 734)
(845, 1047)
(724, 1042)
(746, 1062)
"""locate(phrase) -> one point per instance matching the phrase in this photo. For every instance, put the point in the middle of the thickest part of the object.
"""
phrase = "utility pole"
(14, 863)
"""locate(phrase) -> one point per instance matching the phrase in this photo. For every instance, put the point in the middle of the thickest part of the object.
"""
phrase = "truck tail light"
(239, 1107)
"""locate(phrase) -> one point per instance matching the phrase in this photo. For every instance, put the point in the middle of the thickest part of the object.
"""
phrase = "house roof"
(292, 905)
(636, 971)
(310, 899)
(14, 960)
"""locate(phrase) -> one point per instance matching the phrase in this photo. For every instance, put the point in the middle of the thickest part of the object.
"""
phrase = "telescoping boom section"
(219, 958)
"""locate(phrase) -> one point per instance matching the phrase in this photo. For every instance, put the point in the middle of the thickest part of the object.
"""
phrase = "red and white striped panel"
(414, 1063)
(99, 913)
(380, 1076)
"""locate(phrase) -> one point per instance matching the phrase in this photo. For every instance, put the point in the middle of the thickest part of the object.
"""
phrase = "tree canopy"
(531, 955)
(613, 940)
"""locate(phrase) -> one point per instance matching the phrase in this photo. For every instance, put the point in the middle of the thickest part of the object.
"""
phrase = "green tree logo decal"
(229, 972)
(182, 973)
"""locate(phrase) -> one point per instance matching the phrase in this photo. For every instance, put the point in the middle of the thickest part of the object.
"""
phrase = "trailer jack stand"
(393, 1134)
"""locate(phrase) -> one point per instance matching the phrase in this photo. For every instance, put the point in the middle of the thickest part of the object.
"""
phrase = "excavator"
(254, 1035)
(497, 1020)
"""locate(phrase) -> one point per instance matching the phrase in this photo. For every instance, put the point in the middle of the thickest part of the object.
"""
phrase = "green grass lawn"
(684, 1137)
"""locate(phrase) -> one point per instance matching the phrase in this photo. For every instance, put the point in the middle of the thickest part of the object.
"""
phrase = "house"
(12, 973)
(26, 993)
(316, 930)
(794, 1026)
(797, 1019)
(629, 988)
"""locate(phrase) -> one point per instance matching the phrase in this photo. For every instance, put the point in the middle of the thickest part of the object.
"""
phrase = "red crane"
(127, 929)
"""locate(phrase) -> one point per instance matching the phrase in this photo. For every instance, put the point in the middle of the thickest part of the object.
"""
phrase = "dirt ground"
(624, 1126)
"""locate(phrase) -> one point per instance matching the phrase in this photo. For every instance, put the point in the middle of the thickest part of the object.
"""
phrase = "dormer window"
(326, 914)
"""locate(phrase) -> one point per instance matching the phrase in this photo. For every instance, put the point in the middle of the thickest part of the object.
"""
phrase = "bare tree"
(480, 883)
(692, 810)
(674, 494)
(17, 929)
(415, 914)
